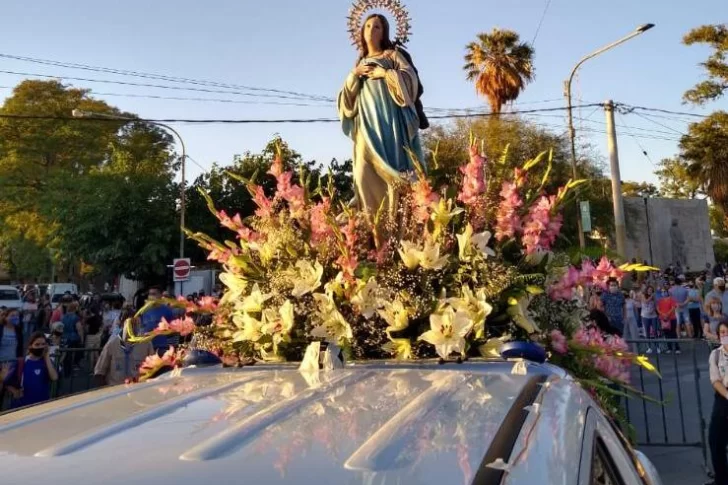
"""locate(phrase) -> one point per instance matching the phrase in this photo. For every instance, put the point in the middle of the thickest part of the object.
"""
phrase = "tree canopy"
(716, 66)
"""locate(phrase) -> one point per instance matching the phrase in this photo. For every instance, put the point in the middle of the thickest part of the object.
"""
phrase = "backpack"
(70, 333)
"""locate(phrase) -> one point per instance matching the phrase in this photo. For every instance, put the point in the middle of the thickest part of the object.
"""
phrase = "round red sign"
(181, 268)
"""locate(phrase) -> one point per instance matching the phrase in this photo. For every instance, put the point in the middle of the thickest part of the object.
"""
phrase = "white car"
(57, 290)
(369, 423)
(10, 297)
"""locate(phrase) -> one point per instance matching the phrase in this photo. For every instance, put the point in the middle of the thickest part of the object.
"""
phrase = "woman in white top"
(718, 431)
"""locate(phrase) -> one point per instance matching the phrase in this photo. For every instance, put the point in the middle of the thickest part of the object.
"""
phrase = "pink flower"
(291, 193)
(155, 362)
(248, 235)
(508, 223)
(265, 205)
(233, 223)
(538, 228)
(564, 289)
(207, 304)
(182, 326)
(321, 231)
(348, 266)
(558, 342)
(473, 178)
(423, 197)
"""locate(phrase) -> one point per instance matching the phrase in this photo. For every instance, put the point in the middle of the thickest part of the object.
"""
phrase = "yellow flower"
(447, 331)
(253, 303)
(279, 324)
(266, 250)
(307, 279)
(467, 241)
(332, 324)
(366, 298)
(430, 257)
(396, 315)
(476, 306)
(249, 328)
(410, 254)
(400, 347)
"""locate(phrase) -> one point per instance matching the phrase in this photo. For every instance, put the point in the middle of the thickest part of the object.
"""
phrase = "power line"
(148, 85)
(658, 110)
(645, 117)
(160, 77)
(540, 22)
(252, 121)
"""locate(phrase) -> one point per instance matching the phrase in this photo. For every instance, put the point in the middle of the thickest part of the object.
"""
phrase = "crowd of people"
(670, 304)
(82, 334)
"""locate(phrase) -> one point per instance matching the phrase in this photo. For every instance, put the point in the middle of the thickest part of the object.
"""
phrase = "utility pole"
(620, 227)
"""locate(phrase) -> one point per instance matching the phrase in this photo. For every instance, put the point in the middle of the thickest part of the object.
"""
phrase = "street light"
(77, 113)
(567, 88)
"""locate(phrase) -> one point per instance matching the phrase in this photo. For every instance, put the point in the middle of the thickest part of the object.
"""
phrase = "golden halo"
(394, 7)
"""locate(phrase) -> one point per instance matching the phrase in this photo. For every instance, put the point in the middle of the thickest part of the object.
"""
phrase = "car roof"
(416, 423)
(8, 287)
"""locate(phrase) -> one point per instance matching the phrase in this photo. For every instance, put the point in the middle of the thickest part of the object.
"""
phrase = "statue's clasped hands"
(372, 72)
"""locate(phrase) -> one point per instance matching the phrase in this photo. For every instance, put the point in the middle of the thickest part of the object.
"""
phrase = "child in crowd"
(31, 383)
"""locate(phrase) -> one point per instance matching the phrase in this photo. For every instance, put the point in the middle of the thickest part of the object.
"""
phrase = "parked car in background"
(57, 290)
(10, 297)
(482, 422)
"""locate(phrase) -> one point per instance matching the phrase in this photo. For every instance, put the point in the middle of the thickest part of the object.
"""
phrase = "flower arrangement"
(461, 266)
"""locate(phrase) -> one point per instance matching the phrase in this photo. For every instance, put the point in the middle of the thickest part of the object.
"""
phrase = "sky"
(304, 47)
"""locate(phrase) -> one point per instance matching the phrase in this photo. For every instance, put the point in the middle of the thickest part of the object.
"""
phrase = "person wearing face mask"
(718, 430)
(714, 316)
(32, 382)
(11, 343)
(719, 292)
(615, 306)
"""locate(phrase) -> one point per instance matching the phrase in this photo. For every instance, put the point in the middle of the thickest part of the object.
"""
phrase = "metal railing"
(682, 392)
(75, 368)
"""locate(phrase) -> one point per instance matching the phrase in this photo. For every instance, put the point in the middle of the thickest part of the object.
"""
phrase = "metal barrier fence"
(75, 368)
(684, 393)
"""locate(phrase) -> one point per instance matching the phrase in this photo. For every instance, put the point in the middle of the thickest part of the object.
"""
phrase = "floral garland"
(431, 282)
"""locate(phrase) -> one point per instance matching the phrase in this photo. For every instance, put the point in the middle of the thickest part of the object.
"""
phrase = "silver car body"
(373, 423)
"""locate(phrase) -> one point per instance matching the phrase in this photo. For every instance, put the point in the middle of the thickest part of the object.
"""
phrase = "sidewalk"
(677, 466)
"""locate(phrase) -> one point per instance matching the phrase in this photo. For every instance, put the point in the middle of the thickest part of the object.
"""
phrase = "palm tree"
(500, 66)
(705, 148)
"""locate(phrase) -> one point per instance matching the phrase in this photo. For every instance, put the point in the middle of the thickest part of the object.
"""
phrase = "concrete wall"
(677, 230)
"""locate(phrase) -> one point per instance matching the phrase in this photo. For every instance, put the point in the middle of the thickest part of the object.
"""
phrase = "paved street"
(678, 421)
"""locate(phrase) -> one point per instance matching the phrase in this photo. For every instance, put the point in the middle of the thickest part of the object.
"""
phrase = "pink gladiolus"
(558, 342)
(564, 289)
(321, 231)
(508, 223)
(265, 205)
(207, 304)
(233, 223)
(348, 266)
(291, 193)
(248, 235)
(182, 326)
(155, 362)
(540, 228)
(473, 178)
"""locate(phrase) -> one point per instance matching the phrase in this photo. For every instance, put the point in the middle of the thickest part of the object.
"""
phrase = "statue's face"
(373, 32)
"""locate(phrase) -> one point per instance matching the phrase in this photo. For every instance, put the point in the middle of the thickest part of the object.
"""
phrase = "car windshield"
(9, 295)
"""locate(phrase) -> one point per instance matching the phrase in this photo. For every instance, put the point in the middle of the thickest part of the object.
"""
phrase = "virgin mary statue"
(377, 110)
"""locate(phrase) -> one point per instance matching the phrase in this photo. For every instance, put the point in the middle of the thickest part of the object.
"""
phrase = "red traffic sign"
(181, 269)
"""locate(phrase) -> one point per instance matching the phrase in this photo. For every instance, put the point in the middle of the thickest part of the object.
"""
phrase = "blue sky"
(304, 47)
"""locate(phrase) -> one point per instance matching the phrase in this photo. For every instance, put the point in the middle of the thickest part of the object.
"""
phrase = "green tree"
(639, 189)
(716, 67)
(675, 180)
(500, 65)
(705, 149)
(718, 221)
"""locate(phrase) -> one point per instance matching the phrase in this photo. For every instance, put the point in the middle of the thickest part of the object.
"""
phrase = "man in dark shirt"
(614, 305)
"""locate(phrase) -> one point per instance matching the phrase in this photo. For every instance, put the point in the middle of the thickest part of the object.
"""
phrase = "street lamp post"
(567, 88)
(77, 113)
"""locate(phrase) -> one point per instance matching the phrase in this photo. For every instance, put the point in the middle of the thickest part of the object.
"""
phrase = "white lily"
(430, 257)
(468, 240)
(396, 315)
(279, 324)
(410, 254)
(476, 305)
(332, 324)
(366, 298)
(447, 331)
(400, 347)
(307, 279)
(250, 328)
(337, 286)
(253, 303)
(236, 287)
